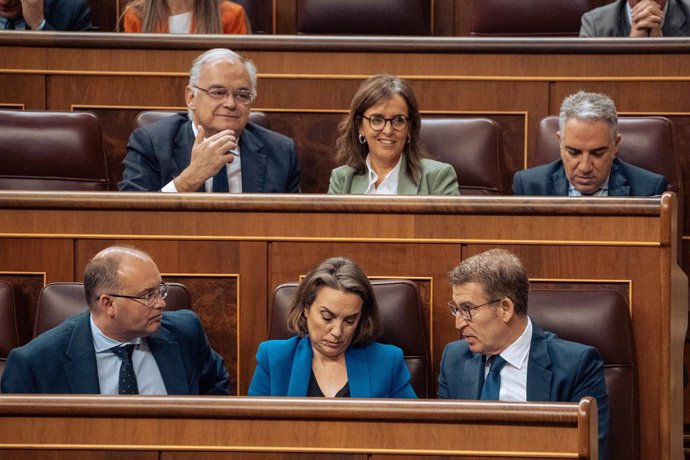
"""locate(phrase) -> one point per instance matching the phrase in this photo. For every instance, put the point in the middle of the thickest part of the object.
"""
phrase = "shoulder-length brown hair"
(373, 91)
(346, 276)
(154, 13)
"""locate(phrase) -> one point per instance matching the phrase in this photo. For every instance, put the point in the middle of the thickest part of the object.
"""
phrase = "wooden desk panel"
(287, 427)
(260, 241)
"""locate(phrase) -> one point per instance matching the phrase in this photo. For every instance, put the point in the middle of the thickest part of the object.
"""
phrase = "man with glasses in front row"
(502, 354)
(214, 147)
(123, 344)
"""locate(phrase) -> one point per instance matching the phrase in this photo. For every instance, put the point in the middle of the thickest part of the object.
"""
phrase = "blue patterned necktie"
(127, 383)
(220, 181)
(492, 383)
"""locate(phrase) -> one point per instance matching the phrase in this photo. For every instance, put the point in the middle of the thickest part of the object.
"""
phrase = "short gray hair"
(586, 106)
(217, 54)
(499, 272)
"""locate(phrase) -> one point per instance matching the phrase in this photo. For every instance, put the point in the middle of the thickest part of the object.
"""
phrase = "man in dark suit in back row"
(123, 344)
(638, 18)
(214, 148)
(44, 15)
(502, 354)
(589, 141)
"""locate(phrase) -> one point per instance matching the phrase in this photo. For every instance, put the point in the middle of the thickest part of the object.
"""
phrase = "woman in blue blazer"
(335, 318)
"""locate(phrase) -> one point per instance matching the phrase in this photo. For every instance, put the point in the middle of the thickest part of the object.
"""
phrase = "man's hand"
(647, 18)
(208, 156)
(32, 11)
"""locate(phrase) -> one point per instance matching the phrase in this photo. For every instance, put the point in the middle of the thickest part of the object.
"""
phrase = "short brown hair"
(346, 276)
(499, 272)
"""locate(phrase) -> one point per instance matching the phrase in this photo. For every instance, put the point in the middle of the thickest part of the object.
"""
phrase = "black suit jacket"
(63, 360)
(624, 180)
(157, 153)
(612, 20)
(66, 15)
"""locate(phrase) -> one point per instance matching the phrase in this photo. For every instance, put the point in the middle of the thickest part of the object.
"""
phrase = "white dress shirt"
(389, 184)
(514, 373)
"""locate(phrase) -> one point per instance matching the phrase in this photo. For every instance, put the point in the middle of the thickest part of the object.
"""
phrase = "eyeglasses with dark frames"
(378, 123)
(465, 311)
(241, 96)
(149, 299)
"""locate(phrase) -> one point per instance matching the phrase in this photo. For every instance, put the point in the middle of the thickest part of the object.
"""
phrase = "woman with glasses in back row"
(380, 147)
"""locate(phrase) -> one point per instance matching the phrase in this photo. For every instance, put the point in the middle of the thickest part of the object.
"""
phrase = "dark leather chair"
(9, 331)
(59, 301)
(364, 17)
(647, 143)
(260, 15)
(52, 151)
(600, 318)
(474, 147)
(532, 18)
(151, 116)
(401, 314)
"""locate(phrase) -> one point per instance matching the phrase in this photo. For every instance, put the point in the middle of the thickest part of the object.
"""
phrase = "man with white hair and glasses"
(214, 148)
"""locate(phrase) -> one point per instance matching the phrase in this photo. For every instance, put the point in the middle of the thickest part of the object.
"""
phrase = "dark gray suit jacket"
(612, 20)
(157, 153)
(63, 360)
(624, 180)
(558, 370)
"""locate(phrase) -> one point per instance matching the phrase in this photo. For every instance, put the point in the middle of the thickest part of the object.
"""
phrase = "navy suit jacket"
(63, 360)
(373, 371)
(624, 180)
(66, 15)
(157, 153)
(558, 370)
(612, 20)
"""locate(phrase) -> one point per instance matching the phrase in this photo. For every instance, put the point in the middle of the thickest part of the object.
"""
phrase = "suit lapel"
(167, 354)
(358, 377)
(182, 149)
(472, 378)
(558, 183)
(360, 183)
(80, 366)
(253, 162)
(539, 369)
(675, 19)
(405, 185)
(618, 183)
(301, 369)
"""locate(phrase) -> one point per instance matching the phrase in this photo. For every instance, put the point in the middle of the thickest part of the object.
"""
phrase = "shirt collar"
(102, 342)
(517, 352)
(389, 184)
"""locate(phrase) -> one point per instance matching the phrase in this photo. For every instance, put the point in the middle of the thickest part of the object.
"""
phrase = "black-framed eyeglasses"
(378, 123)
(241, 96)
(149, 299)
(465, 310)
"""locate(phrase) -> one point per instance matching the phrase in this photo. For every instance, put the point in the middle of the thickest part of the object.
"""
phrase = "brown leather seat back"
(548, 18)
(647, 143)
(51, 151)
(474, 147)
(364, 17)
(9, 332)
(59, 301)
(600, 318)
(151, 116)
(260, 14)
(402, 318)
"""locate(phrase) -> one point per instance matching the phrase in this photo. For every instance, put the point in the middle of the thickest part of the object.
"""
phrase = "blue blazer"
(624, 180)
(373, 371)
(612, 20)
(63, 360)
(558, 370)
(157, 153)
(66, 15)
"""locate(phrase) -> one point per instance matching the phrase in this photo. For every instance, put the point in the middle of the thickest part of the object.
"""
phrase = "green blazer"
(436, 178)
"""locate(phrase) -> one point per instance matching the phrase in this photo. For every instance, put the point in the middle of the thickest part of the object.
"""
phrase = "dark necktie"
(127, 384)
(11, 24)
(492, 383)
(220, 181)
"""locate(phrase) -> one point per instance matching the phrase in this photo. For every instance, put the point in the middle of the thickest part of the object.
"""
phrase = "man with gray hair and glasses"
(214, 147)
(589, 141)
(502, 354)
(124, 343)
